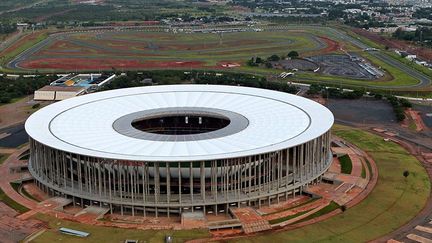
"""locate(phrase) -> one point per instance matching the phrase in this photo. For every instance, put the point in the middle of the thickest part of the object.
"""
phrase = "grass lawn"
(346, 164)
(3, 157)
(392, 203)
(407, 62)
(283, 219)
(363, 172)
(327, 209)
(396, 77)
(108, 234)
(12, 52)
(311, 200)
(11, 203)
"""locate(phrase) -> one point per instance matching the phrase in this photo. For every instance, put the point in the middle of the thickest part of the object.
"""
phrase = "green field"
(3, 157)
(156, 49)
(151, 47)
(346, 164)
(11, 203)
(100, 234)
(392, 203)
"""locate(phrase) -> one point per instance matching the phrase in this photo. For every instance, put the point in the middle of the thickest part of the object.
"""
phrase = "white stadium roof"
(84, 125)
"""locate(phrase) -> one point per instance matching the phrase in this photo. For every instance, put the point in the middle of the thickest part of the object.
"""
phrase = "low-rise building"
(55, 93)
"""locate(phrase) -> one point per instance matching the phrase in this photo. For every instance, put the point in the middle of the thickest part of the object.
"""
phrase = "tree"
(5, 98)
(343, 208)
(293, 54)
(314, 89)
(251, 62)
(400, 116)
(268, 65)
(406, 174)
(405, 103)
(378, 96)
(273, 58)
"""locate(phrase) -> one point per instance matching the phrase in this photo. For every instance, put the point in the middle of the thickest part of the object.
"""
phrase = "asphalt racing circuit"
(141, 48)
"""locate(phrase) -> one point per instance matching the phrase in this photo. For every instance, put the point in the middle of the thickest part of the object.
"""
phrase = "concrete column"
(156, 182)
(202, 180)
(179, 182)
(168, 182)
(191, 183)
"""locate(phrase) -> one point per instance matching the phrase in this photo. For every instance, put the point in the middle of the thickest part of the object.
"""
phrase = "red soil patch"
(332, 45)
(423, 53)
(94, 64)
(21, 42)
(415, 117)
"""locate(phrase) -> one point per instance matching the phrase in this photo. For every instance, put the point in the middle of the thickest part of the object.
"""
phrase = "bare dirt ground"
(12, 118)
(18, 112)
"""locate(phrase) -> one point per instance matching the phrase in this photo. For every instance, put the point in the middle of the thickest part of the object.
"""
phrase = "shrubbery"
(399, 106)
(339, 93)
(243, 80)
(133, 79)
(257, 61)
(15, 88)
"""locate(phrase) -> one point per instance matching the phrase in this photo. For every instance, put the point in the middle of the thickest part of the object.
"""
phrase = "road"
(13, 136)
(11, 40)
(424, 80)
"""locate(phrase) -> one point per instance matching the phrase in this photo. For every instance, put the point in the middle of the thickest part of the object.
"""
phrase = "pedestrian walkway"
(420, 233)
(8, 177)
(251, 221)
(14, 229)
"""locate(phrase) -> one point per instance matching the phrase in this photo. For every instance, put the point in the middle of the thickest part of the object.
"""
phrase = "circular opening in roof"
(181, 124)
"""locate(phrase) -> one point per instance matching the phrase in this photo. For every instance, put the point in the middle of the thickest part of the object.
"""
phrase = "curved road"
(424, 80)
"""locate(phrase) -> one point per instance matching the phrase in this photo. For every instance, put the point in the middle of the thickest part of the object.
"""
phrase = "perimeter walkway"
(7, 177)
(13, 227)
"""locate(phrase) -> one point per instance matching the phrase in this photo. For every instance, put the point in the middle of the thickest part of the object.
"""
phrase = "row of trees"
(421, 34)
(15, 88)
(238, 79)
(399, 105)
(135, 79)
(6, 28)
(334, 92)
(258, 61)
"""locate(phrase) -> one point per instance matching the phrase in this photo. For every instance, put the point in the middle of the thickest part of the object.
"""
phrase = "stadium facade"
(170, 149)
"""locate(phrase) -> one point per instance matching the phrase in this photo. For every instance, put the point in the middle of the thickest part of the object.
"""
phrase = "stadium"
(172, 149)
